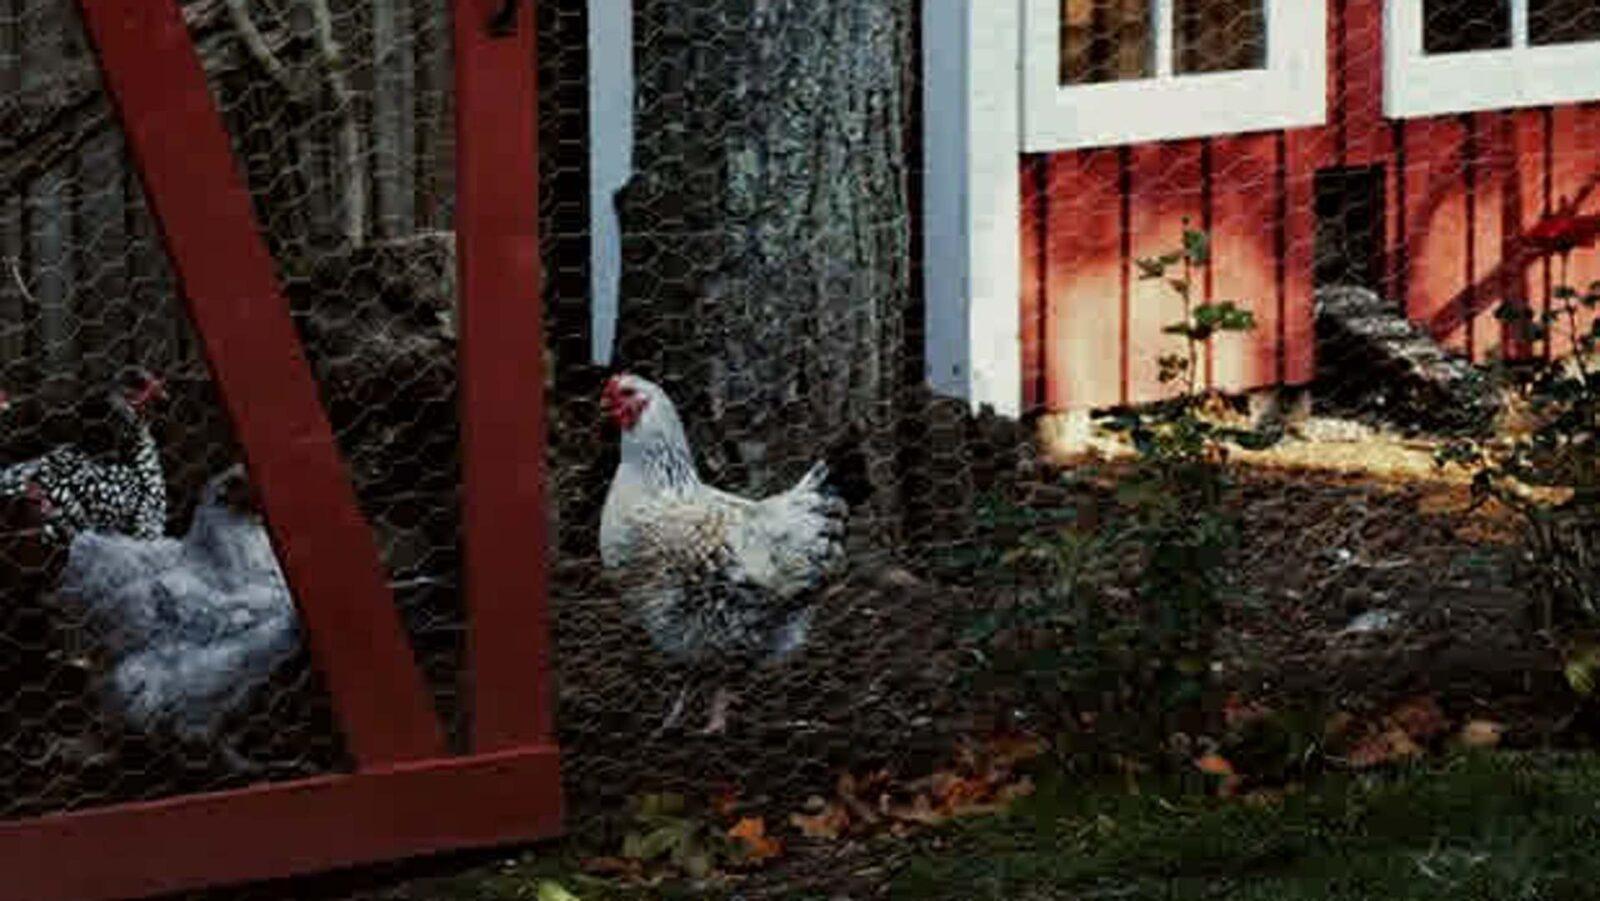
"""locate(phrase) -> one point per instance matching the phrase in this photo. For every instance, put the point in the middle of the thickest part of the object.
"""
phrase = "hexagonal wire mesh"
(770, 263)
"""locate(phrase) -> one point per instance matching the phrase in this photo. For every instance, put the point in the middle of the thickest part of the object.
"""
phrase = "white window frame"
(1523, 75)
(1290, 92)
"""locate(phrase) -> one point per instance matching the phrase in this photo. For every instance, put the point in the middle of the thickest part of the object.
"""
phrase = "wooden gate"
(406, 795)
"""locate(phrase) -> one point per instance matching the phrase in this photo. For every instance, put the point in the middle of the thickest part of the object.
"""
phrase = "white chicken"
(715, 578)
(190, 627)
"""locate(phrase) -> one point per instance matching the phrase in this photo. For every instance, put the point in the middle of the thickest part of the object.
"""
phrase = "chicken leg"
(721, 701)
(675, 712)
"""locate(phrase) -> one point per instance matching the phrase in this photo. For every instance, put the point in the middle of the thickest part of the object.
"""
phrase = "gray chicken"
(191, 627)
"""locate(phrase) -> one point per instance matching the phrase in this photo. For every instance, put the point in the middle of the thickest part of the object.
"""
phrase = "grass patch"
(1480, 827)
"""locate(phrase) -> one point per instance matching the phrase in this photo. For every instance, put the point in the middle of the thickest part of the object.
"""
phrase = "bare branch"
(260, 51)
(22, 286)
(354, 169)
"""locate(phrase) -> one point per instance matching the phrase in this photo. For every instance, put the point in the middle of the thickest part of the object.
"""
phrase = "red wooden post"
(181, 149)
(502, 375)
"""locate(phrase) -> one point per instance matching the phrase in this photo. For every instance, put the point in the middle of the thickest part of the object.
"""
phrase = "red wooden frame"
(406, 796)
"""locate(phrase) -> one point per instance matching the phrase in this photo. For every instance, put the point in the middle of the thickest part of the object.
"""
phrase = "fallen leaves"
(1481, 734)
(828, 821)
(982, 779)
(751, 834)
(1220, 767)
(1408, 730)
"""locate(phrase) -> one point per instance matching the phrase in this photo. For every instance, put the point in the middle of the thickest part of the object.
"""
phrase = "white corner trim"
(972, 211)
(610, 161)
(1291, 92)
(1416, 84)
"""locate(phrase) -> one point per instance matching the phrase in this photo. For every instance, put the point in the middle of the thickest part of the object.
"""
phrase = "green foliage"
(1477, 827)
(1557, 448)
(665, 832)
(1077, 648)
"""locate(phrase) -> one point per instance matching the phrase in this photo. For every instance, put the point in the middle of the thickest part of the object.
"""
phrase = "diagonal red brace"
(180, 147)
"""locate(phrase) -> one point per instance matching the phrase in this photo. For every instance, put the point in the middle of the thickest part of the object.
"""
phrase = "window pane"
(1105, 40)
(1454, 26)
(1563, 21)
(1221, 35)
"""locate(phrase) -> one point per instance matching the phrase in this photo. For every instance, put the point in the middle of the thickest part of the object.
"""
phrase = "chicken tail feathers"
(844, 472)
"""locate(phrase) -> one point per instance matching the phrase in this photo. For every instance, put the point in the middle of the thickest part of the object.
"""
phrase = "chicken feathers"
(711, 574)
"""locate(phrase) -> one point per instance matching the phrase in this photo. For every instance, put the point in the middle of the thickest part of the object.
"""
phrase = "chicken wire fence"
(770, 263)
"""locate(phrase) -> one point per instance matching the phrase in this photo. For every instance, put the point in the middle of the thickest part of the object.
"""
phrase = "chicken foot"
(675, 712)
(721, 701)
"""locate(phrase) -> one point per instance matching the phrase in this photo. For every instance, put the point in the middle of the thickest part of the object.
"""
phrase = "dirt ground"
(1363, 580)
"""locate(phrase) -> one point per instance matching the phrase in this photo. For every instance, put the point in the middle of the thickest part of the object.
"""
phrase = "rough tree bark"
(767, 229)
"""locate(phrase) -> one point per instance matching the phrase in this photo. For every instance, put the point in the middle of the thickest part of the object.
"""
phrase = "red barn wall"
(1460, 191)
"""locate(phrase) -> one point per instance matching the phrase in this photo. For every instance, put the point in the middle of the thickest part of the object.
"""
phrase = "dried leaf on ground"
(611, 866)
(1482, 734)
(830, 822)
(1217, 765)
(1420, 718)
(1387, 746)
(751, 833)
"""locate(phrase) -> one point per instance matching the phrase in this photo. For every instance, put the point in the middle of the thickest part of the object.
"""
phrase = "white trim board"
(972, 207)
(1290, 92)
(611, 95)
(1418, 84)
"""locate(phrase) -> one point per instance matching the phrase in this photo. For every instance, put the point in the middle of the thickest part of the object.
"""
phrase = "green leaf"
(550, 890)
(1566, 292)
(1512, 312)
(1580, 674)
(697, 865)
(1156, 267)
(661, 840)
(1196, 247)
(1225, 316)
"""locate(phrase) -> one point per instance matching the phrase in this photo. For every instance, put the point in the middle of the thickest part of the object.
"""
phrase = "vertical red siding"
(1034, 215)
(1083, 249)
(1359, 111)
(1244, 218)
(1575, 182)
(1303, 152)
(1498, 218)
(1460, 192)
(1165, 191)
(1437, 231)
(1524, 203)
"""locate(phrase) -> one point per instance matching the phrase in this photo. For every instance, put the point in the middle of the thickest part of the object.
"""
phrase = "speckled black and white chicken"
(115, 488)
(720, 582)
(191, 627)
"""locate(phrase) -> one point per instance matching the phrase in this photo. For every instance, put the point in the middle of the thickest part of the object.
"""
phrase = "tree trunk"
(767, 229)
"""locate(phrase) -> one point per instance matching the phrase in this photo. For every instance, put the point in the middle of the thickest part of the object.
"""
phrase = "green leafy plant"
(1136, 664)
(665, 832)
(1546, 468)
